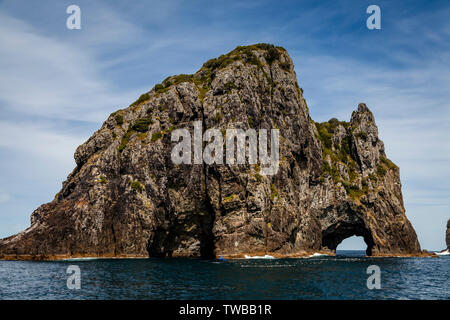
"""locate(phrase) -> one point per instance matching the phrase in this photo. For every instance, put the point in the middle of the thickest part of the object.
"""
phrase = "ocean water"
(321, 277)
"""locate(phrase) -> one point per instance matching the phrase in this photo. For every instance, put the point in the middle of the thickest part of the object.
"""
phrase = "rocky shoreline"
(303, 254)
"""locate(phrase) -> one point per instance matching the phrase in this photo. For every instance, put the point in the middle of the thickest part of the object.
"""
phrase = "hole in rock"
(353, 244)
(360, 237)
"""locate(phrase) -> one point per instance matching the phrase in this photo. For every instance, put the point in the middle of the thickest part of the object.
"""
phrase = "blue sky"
(57, 85)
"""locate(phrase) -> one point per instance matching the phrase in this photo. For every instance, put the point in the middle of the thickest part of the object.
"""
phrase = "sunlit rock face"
(126, 197)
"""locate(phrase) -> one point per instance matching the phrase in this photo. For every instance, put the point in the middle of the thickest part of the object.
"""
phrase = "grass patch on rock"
(137, 186)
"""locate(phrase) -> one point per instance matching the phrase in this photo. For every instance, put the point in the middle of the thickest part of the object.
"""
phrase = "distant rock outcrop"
(447, 235)
(446, 251)
(127, 198)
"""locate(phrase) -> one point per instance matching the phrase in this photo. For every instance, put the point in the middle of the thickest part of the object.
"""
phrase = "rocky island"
(447, 235)
(126, 198)
(447, 239)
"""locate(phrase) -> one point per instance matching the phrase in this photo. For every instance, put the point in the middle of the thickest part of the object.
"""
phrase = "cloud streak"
(56, 79)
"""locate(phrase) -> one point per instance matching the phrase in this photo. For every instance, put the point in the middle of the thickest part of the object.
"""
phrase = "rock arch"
(345, 223)
(336, 233)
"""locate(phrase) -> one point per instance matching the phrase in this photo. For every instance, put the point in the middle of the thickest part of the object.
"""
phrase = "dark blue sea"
(341, 277)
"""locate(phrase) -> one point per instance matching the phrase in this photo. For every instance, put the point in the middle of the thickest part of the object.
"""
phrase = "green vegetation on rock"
(171, 128)
(141, 125)
(272, 54)
(229, 86)
(156, 136)
(273, 192)
(125, 139)
(353, 190)
(240, 53)
(361, 135)
(102, 180)
(388, 163)
(202, 79)
(229, 198)
(250, 122)
(338, 155)
(218, 116)
(144, 97)
(173, 80)
(136, 185)
(385, 165)
(119, 119)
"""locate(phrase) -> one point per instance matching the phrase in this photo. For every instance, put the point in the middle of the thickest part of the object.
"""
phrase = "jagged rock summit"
(126, 198)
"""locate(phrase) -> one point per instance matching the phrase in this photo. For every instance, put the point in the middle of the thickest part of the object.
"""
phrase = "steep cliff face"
(447, 235)
(126, 197)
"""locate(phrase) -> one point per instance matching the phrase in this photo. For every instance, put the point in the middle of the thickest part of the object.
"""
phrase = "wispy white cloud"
(39, 141)
(44, 76)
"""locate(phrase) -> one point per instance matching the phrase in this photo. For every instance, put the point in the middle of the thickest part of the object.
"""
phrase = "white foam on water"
(259, 257)
(316, 254)
(81, 259)
(443, 253)
(100, 258)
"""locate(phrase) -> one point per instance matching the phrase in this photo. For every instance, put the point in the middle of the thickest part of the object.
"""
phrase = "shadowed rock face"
(447, 235)
(127, 198)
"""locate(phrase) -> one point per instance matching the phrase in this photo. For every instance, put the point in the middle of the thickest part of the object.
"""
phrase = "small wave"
(316, 254)
(100, 258)
(259, 257)
(82, 259)
(267, 266)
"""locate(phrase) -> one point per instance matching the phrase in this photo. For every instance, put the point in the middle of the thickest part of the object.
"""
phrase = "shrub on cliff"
(272, 54)
(142, 98)
(141, 125)
(136, 185)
